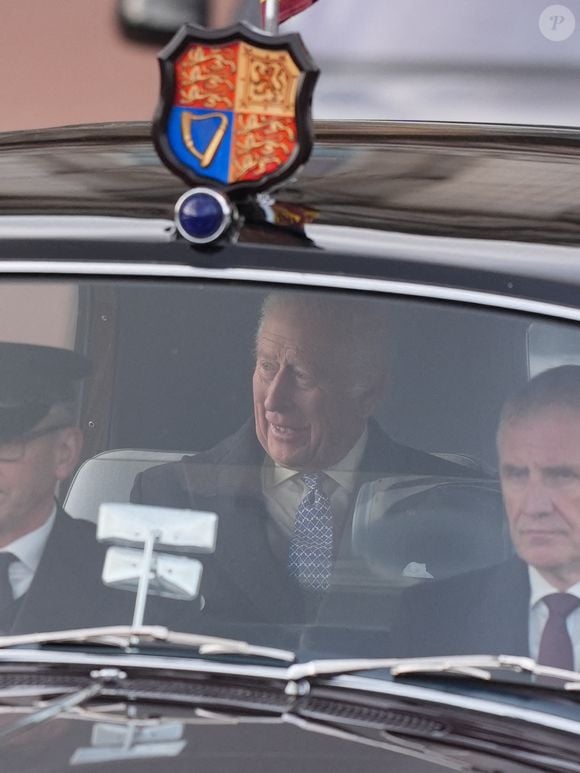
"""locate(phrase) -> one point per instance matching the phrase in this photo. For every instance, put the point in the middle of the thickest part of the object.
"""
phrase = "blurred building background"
(65, 61)
(510, 61)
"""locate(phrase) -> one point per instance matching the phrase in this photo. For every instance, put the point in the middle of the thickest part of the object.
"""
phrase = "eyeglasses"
(14, 450)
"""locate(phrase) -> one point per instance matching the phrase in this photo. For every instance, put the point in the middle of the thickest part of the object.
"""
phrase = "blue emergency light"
(202, 215)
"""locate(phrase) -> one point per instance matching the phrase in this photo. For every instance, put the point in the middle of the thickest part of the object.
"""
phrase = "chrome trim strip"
(86, 227)
(339, 282)
(65, 657)
(14, 657)
(445, 698)
(450, 250)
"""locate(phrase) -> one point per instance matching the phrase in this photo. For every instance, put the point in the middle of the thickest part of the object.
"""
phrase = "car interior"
(172, 366)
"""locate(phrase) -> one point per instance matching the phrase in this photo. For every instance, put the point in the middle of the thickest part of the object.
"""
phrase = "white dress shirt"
(538, 615)
(28, 550)
(283, 490)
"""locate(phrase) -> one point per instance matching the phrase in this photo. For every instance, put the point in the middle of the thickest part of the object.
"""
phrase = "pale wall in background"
(64, 62)
(44, 314)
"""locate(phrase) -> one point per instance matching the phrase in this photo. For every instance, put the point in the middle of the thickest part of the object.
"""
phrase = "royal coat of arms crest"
(234, 110)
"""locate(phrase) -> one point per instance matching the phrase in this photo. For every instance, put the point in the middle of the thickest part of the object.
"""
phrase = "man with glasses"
(50, 564)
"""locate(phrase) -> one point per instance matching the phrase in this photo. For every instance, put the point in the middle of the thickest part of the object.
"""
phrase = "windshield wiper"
(128, 637)
(101, 678)
(51, 710)
(483, 667)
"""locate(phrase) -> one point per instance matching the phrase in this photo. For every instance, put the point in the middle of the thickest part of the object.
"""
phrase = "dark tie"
(556, 646)
(310, 556)
(6, 594)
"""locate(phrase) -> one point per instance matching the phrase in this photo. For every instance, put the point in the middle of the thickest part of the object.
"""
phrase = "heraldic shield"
(235, 107)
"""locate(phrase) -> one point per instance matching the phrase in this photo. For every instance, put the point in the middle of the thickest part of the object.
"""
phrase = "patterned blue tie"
(310, 557)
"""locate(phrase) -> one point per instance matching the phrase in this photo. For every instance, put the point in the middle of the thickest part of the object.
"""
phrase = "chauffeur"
(50, 564)
(284, 485)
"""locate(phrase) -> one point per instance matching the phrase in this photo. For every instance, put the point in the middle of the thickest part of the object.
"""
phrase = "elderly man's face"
(27, 485)
(306, 415)
(540, 477)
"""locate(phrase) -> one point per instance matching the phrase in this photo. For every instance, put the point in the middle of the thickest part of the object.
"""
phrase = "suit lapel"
(66, 591)
(384, 457)
(500, 620)
(228, 480)
(244, 562)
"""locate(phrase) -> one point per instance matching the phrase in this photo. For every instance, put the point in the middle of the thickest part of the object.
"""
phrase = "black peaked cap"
(32, 379)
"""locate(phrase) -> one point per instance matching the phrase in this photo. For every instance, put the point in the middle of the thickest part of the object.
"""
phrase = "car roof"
(472, 180)
(477, 206)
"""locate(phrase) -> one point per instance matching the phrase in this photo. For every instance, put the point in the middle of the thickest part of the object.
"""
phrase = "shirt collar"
(30, 547)
(540, 587)
(343, 472)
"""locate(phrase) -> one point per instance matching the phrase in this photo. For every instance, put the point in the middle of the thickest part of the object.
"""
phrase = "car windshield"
(302, 469)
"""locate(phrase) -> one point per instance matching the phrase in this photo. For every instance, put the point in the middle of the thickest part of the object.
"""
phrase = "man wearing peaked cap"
(33, 379)
(50, 564)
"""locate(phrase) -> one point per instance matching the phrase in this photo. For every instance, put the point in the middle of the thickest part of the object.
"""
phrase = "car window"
(244, 400)
(550, 345)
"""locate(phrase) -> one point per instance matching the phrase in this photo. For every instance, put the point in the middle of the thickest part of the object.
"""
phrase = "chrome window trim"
(101, 227)
(301, 279)
(453, 250)
(160, 663)
(496, 708)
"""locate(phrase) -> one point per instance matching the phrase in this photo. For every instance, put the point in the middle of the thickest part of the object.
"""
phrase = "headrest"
(410, 528)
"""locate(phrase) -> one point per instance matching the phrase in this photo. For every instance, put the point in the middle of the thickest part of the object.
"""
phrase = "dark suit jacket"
(483, 612)
(67, 591)
(244, 580)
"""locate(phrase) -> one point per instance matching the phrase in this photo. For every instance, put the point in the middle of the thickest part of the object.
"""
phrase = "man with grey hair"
(529, 605)
(285, 484)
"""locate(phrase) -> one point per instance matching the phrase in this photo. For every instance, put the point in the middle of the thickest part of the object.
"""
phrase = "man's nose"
(279, 392)
(537, 500)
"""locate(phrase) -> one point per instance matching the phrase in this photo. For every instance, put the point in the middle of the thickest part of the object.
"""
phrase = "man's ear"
(68, 450)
